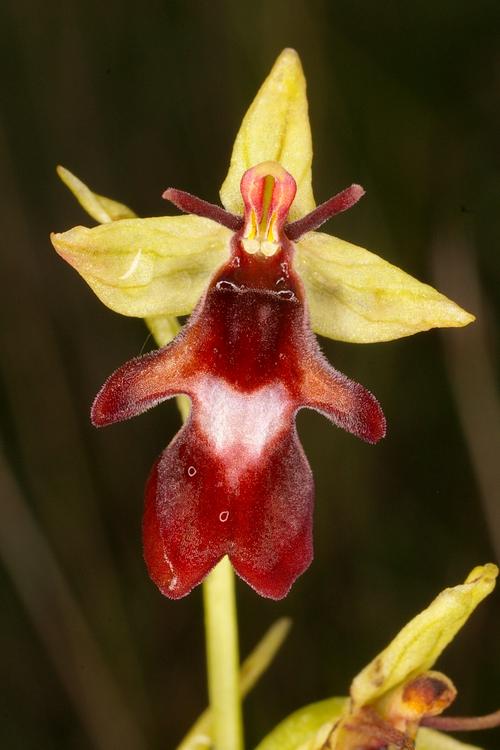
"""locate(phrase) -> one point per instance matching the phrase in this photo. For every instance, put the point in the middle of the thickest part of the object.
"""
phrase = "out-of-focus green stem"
(221, 633)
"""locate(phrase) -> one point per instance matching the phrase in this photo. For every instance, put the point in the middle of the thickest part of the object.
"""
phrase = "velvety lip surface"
(235, 479)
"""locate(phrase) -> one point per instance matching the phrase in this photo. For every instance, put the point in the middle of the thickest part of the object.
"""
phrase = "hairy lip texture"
(240, 423)
(235, 479)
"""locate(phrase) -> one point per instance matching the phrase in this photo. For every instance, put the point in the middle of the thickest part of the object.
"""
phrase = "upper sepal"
(275, 128)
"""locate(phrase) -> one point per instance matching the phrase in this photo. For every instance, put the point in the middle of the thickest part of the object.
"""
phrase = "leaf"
(146, 267)
(102, 209)
(275, 128)
(417, 646)
(353, 295)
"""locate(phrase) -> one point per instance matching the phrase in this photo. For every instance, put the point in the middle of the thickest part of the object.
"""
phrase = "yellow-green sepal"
(144, 267)
(354, 295)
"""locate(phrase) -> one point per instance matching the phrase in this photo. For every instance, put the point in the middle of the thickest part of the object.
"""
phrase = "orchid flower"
(256, 277)
(396, 700)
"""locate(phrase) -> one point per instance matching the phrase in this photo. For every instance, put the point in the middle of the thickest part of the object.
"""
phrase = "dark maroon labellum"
(235, 479)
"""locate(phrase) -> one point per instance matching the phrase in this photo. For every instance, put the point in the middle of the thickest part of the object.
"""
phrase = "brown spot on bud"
(429, 694)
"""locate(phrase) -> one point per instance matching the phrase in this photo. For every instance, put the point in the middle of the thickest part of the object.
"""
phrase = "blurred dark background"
(133, 97)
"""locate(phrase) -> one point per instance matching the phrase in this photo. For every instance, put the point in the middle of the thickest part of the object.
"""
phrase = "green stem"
(252, 669)
(221, 631)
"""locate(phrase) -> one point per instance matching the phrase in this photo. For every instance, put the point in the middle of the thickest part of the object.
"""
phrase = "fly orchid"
(235, 481)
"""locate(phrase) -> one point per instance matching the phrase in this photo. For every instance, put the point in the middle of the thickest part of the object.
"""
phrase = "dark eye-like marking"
(286, 294)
